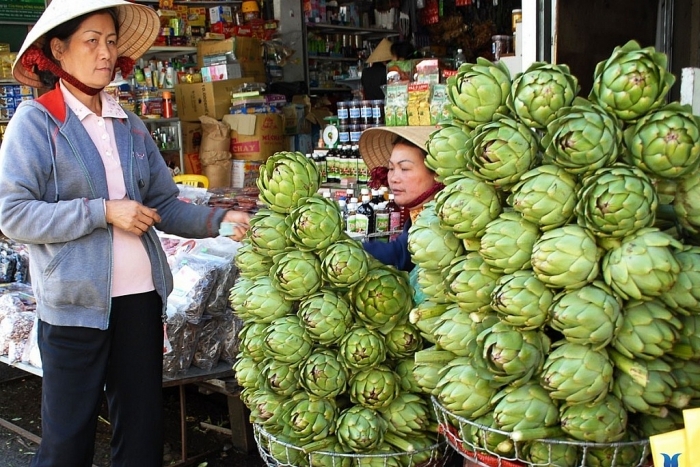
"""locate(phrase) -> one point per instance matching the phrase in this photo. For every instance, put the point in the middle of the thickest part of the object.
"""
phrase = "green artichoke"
(465, 389)
(382, 298)
(643, 266)
(456, 330)
(425, 316)
(616, 201)
(469, 282)
(360, 429)
(526, 407)
(577, 374)
(684, 296)
(484, 432)
(247, 373)
(512, 356)
(507, 243)
(326, 316)
(687, 347)
(404, 370)
(427, 368)
(307, 419)
(446, 151)
(430, 245)
(403, 340)
(265, 408)
(286, 340)
(628, 451)
(344, 263)
(286, 178)
(430, 284)
(283, 451)
(582, 138)
(649, 425)
(252, 338)
(296, 274)
(632, 81)
(553, 454)
(652, 392)
(250, 263)
(268, 233)
(566, 257)
(522, 300)
(281, 377)
(316, 223)
(500, 152)
(322, 374)
(259, 300)
(599, 422)
(591, 315)
(406, 414)
(466, 206)
(666, 142)
(361, 348)
(648, 331)
(373, 387)
(686, 203)
(479, 91)
(545, 196)
(539, 92)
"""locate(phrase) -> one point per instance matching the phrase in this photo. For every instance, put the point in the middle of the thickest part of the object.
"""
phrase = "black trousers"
(124, 362)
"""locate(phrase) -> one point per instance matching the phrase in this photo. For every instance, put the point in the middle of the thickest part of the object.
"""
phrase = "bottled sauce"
(364, 222)
(356, 162)
(343, 213)
(327, 194)
(460, 58)
(322, 168)
(331, 166)
(395, 221)
(351, 218)
(385, 193)
(376, 199)
(381, 223)
(343, 115)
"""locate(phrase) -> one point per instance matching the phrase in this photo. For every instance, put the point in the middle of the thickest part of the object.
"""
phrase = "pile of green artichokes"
(326, 354)
(565, 248)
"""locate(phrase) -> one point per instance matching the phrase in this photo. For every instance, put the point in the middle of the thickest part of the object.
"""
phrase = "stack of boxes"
(11, 95)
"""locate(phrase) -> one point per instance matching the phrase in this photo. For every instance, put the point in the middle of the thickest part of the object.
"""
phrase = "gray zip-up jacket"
(52, 187)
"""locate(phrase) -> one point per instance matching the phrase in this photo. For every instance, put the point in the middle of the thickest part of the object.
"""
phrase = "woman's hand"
(241, 220)
(131, 216)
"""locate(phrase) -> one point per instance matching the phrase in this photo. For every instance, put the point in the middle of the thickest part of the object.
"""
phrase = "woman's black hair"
(402, 50)
(63, 32)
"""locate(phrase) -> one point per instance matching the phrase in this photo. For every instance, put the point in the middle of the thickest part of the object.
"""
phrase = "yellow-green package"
(691, 419)
(669, 449)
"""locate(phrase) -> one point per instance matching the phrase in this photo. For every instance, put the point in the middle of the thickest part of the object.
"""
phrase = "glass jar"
(343, 115)
(365, 112)
(354, 112)
(355, 132)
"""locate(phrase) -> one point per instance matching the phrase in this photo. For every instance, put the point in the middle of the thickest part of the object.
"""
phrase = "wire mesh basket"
(469, 440)
(277, 453)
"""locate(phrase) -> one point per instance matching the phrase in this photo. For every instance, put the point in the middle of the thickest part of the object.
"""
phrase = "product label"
(394, 223)
(343, 113)
(352, 223)
(361, 224)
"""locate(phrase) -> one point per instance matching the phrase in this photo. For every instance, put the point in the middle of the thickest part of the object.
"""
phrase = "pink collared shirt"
(131, 268)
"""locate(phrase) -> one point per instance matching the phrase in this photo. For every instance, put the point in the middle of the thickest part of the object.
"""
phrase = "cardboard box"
(192, 163)
(256, 137)
(210, 99)
(221, 72)
(248, 52)
(191, 136)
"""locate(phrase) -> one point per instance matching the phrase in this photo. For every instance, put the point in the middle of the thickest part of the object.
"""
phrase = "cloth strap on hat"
(426, 195)
(34, 59)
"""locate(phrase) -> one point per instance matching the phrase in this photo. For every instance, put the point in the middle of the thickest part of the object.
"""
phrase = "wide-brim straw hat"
(381, 53)
(377, 143)
(139, 26)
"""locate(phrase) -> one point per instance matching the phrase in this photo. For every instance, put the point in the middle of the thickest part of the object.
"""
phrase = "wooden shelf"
(333, 59)
(334, 28)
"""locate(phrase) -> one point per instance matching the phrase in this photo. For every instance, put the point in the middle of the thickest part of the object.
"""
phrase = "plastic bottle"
(381, 223)
(460, 58)
(351, 219)
(342, 205)
(364, 222)
(167, 106)
(394, 211)
(350, 195)
(322, 166)
(331, 166)
(356, 163)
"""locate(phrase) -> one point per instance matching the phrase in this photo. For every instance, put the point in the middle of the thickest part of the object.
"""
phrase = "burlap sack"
(214, 154)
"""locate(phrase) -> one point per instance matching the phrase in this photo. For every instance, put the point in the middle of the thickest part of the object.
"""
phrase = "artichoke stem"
(536, 433)
(431, 355)
(319, 445)
(637, 371)
(398, 442)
